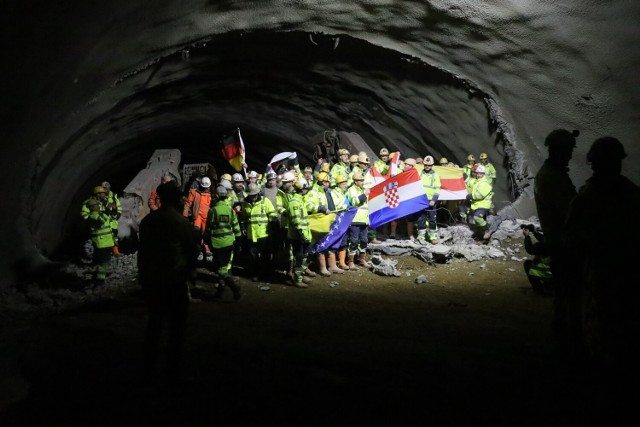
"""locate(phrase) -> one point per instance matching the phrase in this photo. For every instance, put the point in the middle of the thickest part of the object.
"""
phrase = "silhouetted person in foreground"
(553, 191)
(604, 258)
(166, 261)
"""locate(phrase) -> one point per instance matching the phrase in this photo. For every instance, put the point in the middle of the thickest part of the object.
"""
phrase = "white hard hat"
(226, 184)
(253, 174)
(206, 182)
(221, 191)
(272, 175)
(481, 169)
(288, 177)
(253, 189)
(428, 160)
(237, 177)
(301, 183)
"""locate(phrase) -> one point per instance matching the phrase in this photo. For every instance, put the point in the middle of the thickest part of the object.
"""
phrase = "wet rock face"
(439, 77)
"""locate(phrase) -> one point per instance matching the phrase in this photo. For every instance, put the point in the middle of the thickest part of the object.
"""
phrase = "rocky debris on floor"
(458, 242)
(384, 267)
(421, 279)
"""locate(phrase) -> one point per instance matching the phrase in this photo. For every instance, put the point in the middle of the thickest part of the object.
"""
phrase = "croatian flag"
(396, 197)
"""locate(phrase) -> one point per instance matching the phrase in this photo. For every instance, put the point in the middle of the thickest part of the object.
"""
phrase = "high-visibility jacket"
(282, 208)
(490, 172)
(197, 207)
(114, 209)
(467, 169)
(357, 198)
(339, 169)
(256, 217)
(85, 211)
(298, 219)
(101, 233)
(469, 182)
(316, 198)
(154, 201)
(355, 169)
(381, 167)
(339, 198)
(481, 194)
(431, 184)
(222, 227)
(541, 267)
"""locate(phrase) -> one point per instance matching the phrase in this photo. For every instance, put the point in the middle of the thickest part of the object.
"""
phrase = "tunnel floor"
(473, 345)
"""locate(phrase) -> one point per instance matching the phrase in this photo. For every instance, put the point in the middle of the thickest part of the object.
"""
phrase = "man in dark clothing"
(553, 191)
(166, 261)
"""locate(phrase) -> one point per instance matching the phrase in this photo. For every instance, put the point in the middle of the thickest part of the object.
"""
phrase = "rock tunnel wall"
(96, 88)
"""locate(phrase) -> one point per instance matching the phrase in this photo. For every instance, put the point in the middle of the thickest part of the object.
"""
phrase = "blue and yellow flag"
(337, 228)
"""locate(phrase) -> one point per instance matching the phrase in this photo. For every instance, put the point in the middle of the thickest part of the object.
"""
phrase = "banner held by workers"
(233, 149)
(337, 230)
(396, 197)
(452, 185)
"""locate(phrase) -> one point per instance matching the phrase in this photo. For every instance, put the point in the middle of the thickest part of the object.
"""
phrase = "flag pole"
(244, 170)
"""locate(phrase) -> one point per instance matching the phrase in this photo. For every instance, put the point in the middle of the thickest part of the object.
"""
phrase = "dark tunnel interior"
(280, 99)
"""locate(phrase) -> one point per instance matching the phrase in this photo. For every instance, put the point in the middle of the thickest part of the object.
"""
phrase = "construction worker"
(308, 175)
(196, 209)
(419, 165)
(538, 270)
(282, 251)
(154, 201)
(114, 209)
(238, 193)
(299, 233)
(101, 237)
(342, 167)
(340, 202)
(465, 206)
(471, 160)
(166, 262)
(252, 178)
(490, 173)
(317, 201)
(431, 184)
(353, 162)
(443, 161)
(480, 198)
(411, 218)
(382, 165)
(257, 212)
(99, 195)
(225, 177)
(359, 229)
(222, 233)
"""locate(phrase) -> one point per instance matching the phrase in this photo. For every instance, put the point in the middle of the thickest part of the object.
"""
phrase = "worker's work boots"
(343, 258)
(352, 265)
(331, 264)
(362, 260)
(322, 265)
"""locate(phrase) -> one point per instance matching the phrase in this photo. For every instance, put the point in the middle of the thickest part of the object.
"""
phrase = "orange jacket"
(197, 207)
(154, 200)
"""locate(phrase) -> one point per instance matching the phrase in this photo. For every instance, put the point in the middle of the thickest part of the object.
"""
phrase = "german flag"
(233, 149)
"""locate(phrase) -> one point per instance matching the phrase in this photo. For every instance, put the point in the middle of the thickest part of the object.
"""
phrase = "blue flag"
(339, 227)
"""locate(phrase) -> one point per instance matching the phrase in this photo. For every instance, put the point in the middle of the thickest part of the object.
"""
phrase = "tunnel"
(92, 89)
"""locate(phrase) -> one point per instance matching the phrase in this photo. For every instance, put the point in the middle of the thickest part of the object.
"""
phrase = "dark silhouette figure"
(604, 261)
(166, 260)
(553, 191)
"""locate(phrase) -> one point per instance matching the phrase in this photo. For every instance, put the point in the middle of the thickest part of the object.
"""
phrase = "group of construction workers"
(266, 215)
(100, 212)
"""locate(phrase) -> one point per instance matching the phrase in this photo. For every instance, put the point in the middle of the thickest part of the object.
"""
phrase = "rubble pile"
(457, 242)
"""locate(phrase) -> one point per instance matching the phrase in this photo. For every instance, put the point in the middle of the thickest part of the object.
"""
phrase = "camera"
(529, 227)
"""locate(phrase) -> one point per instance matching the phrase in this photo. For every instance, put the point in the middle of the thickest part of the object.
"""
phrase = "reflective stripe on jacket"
(298, 218)
(222, 225)
(257, 216)
(357, 198)
(481, 194)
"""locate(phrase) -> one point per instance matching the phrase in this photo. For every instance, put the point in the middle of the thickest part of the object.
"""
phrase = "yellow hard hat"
(99, 189)
(357, 176)
(323, 177)
(343, 151)
(444, 161)
(353, 158)
(483, 156)
(325, 167)
(363, 158)
(226, 176)
(384, 152)
(308, 169)
(471, 158)
(340, 179)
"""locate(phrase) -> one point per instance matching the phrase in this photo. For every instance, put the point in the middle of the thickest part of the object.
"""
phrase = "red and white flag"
(452, 186)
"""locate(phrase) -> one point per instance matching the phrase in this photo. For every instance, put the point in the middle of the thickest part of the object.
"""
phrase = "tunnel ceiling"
(99, 86)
